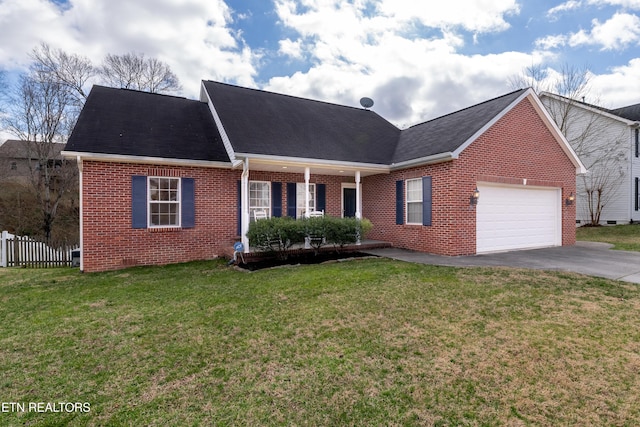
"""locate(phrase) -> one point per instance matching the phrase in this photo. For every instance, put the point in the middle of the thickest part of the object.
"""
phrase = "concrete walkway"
(591, 258)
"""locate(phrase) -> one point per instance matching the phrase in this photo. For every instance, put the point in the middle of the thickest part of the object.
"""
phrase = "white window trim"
(252, 208)
(406, 200)
(178, 202)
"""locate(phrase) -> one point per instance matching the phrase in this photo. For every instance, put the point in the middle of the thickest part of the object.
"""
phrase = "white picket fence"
(16, 251)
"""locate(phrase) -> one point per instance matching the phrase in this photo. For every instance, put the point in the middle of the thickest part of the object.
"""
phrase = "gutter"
(119, 158)
(428, 160)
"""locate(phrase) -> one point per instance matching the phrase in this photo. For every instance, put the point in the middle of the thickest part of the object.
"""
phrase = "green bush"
(346, 231)
(279, 234)
(275, 234)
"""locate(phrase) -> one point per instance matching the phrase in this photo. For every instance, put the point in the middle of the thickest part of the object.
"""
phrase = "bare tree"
(134, 71)
(42, 112)
(44, 105)
(601, 146)
(72, 71)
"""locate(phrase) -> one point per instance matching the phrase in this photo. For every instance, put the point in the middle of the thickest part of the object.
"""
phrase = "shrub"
(279, 234)
(345, 231)
(275, 234)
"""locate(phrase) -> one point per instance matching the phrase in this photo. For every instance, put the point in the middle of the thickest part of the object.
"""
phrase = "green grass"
(368, 342)
(622, 237)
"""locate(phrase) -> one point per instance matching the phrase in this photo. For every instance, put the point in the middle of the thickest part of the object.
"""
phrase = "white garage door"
(517, 217)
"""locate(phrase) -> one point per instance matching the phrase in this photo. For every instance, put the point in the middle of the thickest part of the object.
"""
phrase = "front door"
(348, 202)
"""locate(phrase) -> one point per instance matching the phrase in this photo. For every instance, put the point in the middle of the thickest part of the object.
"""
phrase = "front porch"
(298, 188)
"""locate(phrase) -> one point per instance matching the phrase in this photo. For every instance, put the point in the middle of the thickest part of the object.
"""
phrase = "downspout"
(244, 194)
(80, 207)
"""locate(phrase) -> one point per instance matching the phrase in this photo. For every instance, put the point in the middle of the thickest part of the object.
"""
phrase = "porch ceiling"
(316, 168)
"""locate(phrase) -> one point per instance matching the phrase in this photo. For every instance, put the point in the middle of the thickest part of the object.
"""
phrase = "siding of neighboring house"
(511, 150)
(594, 136)
(634, 174)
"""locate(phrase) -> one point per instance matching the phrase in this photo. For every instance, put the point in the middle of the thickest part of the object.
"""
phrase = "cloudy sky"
(416, 59)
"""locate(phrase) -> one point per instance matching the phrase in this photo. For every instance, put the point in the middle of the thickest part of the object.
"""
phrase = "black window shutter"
(426, 200)
(291, 199)
(399, 202)
(276, 199)
(637, 143)
(321, 197)
(637, 193)
(188, 203)
(239, 216)
(138, 201)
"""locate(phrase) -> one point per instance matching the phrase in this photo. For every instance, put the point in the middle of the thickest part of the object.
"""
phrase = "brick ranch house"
(167, 179)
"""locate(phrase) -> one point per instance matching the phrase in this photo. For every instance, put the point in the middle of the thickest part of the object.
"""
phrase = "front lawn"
(367, 342)
(622, 237)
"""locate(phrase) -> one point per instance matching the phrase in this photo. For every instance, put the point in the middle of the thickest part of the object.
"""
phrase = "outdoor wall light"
(570, 199)
(473, 200)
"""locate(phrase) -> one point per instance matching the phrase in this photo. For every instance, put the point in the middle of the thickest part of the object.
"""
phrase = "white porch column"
(307, 177)
(244, 194)
(358, 204)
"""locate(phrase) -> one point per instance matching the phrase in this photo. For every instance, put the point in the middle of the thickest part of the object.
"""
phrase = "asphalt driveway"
(591, 258)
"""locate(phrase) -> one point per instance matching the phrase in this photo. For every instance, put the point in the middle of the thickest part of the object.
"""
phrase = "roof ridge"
(144, 92)
(468, 108)
(294, 96)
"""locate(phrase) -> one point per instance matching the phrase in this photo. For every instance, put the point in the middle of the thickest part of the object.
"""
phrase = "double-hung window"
(414, 201)
(259, 198)
(164, 202)
(301, 199)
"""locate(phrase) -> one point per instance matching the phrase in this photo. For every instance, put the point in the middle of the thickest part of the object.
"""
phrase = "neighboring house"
(606, 141)
(167, 179)
(16, 158)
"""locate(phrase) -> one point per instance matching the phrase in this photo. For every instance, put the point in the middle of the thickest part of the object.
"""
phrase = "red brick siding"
(110, 242)
(519, 146)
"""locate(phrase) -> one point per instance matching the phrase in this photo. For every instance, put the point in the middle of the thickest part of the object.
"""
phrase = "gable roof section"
(19, 149)
(448, 133)
(630, 112)
(124, 122)
(612, 114)
(270, 124)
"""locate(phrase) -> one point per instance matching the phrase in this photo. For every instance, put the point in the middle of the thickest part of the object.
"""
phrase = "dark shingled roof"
(268, 123)
(18, 149)
(631, 112)
(447, 133)
(127, 122)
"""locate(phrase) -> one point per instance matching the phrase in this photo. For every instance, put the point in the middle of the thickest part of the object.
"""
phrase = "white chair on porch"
(315, 214)
(260, 214)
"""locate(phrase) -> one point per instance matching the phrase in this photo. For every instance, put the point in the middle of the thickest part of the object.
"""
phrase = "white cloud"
(629, 4)
(620, 87)
(551, 42)
(564, 7)
(193, 36)
(291, 48)
(618, 32)
(413, 73)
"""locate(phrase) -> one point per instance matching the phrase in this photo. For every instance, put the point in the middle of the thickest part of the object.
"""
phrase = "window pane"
(300, 198)
(414, 190)
(259, 198)
(154, 189)
(414, 213)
